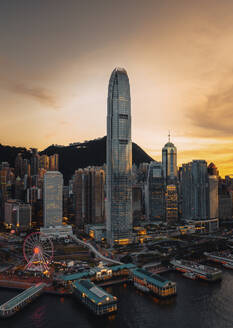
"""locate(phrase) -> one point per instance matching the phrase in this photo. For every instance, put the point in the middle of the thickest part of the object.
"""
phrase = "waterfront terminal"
(95, 298)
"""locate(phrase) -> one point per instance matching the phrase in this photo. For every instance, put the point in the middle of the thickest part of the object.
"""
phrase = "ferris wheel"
(38, 252)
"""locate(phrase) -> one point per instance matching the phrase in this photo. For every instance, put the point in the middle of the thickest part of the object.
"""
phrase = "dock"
(153, 283)
(18, 302)
(94, 297)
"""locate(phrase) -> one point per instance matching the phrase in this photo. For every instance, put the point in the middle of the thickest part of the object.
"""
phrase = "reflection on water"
(37, 317)
(112, 317)
(197, 304)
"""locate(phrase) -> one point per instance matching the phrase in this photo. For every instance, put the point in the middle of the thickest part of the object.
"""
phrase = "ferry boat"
(201, 271)
(223, 258)
(228, 265)
(190, 275)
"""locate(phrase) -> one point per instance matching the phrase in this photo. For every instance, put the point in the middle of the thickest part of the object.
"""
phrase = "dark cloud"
(215, 115)
(42, 95)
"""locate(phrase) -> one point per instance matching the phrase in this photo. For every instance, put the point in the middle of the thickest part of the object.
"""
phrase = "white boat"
(190, 275)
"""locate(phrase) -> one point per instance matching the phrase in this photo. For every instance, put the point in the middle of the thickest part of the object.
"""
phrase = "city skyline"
(178, 58)
(116, 152)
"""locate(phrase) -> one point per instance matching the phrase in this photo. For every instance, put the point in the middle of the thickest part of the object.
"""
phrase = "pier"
(18, 302)
(95, 298)
(153, 283)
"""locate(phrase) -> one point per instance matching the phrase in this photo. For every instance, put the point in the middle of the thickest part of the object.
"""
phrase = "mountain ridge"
(75, 156)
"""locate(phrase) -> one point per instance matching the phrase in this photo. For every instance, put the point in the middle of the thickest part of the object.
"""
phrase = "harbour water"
(198, 305)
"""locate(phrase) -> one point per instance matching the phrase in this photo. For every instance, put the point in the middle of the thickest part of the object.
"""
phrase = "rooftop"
(96, 294)
(169, 144)
(17, 300)
(153, 279)
(92, 272)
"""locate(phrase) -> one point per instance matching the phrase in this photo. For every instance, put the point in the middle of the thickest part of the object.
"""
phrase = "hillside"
(85, 154)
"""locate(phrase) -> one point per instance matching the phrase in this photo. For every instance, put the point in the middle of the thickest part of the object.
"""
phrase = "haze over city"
(56, 57)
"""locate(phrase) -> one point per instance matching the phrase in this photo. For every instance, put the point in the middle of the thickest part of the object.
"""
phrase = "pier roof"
(154, 280)
(92, 272)
(17, 300)
(93, 292)
(77, 276)
(123, 266)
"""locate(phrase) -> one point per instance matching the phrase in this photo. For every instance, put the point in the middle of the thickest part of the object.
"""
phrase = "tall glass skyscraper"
(119, 159)
(52, 198)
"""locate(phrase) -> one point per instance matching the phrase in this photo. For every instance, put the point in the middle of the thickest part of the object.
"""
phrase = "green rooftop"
(155, 280)
(93, 292)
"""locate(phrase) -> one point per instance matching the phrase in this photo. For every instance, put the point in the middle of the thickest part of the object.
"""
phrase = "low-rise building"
(64, 231)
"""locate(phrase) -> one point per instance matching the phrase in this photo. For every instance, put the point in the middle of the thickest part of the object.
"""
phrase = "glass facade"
(195, 190)
(171, 204)
(169, 160)
(89, 195)
(154, 192)
(52, 197)
(119, 158)
(213, 196)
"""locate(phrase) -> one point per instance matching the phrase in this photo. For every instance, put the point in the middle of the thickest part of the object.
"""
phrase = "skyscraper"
(19, 165)
(213, 190)
(195, 190)
(44, 162)
(54, 162)
(169, 160)
(88, 190)
(34, 161)
(171, 201)
(155, 192)
(52, 198)
(119, 159)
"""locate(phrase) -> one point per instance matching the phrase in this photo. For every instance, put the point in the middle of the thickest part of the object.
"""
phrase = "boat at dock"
(201, 271)
(190, 275)
(226, 259)
(228, 266)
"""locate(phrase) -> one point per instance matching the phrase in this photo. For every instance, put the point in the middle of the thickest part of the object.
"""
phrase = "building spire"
(169, 136)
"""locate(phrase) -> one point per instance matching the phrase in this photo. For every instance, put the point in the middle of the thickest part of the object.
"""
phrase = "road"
(94, 250)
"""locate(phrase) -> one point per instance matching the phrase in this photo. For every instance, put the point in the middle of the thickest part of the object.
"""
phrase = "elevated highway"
(95, 251)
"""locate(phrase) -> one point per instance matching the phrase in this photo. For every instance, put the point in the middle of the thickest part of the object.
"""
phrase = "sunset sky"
(56, 57)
